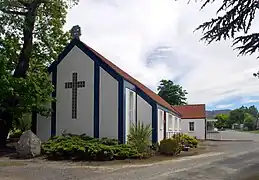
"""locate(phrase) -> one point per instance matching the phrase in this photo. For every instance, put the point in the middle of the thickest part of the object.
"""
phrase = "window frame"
(132, 107)
(191, 126)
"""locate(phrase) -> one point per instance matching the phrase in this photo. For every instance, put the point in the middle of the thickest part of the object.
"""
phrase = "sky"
(155, 39)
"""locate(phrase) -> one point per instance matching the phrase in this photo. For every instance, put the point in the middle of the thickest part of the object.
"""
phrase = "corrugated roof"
(194, 111)
(132, 80)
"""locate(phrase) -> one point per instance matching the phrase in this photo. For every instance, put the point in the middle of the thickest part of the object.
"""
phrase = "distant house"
(193, 120)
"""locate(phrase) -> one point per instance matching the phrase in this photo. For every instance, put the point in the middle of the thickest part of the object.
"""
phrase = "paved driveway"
(233, 135)
(226, 161)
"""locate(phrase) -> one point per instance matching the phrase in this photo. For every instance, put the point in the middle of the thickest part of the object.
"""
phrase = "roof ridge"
(191, 111)
(134, 81)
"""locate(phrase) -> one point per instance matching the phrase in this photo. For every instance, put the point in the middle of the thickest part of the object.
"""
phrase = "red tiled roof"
(195, 111)
(132, 80)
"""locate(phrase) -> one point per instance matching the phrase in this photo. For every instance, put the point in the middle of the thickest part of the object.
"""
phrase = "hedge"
(82, 147)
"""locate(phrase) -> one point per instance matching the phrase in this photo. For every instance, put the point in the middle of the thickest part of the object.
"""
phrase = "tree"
(31, 36)
(236, 18)
(172, 93)
(223, 121)
(249, 122)
(237, 116)
(253, 111)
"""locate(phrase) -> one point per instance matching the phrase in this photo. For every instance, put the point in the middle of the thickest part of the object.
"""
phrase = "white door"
(160, 125)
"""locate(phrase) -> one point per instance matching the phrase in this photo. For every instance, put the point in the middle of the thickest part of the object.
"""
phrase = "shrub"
(155, 147)
(189, 140)
(82, 147)
(170, 146)
(139, 137)
(15, 134)
(109, 142)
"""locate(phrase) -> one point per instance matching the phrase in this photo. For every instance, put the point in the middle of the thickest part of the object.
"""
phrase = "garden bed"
(85, 148)
(127, 153)
(146, 161)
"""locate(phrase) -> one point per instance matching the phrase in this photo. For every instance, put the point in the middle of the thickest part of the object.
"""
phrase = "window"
(131, 107)
(161, 114)
(80, 84)
(68, 85)
(175, 124)
(170, 122)
(191, 126)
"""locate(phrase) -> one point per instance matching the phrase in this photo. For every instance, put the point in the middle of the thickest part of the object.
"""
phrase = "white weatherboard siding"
(78, 62)
(144, 111)
(43, 128)
(130, 109)
(108, 123)
(199, 127)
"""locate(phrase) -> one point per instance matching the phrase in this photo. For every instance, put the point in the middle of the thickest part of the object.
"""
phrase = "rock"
(29, 145)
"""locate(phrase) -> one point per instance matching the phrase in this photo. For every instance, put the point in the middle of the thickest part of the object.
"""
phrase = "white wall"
(199, 127)
(75, 61)
(144, 111)
(108, 122)
(43, 128)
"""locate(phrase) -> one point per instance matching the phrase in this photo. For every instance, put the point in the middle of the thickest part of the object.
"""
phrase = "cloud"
(154, 40)
(249, 100)
(224, 106)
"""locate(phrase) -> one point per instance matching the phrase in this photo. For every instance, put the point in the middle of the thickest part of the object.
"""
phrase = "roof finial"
(76, 32)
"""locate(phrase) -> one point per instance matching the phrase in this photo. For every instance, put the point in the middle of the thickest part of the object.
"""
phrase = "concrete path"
(226, 161)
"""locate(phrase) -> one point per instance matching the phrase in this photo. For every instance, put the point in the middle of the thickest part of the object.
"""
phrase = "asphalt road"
(226, 161)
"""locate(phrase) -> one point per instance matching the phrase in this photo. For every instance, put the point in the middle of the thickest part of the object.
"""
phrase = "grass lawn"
(257, 131)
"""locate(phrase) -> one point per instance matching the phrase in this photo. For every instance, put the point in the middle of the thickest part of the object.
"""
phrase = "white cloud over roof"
(152, 40)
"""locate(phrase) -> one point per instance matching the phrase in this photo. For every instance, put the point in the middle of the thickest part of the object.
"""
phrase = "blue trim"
(53, 66)
(149, 101)
(103, 65)
(154, 123)
(96, 99)
(154, 112)
(121, 111)
(130, 86)
(121, 92)
(166, 110)
(53, 104)
(136, 107)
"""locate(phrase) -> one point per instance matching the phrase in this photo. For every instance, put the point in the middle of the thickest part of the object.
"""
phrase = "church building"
(95, 97)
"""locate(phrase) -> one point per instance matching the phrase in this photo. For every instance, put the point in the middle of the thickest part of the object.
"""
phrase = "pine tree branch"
(250, 43)
(13, 12)
(26, 4)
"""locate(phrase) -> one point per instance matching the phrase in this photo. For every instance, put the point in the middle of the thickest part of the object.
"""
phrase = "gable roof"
(155, 97)
(194, 111)
(132, 80)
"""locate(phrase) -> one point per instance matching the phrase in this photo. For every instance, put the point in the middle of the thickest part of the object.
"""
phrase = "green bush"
(170, 146)
(140, 137)
(82, 147)
(190, 141)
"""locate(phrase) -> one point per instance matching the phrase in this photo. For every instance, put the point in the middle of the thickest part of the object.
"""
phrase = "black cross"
(74, 85)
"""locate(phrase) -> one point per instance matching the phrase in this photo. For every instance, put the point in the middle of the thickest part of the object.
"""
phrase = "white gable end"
(81, 103)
